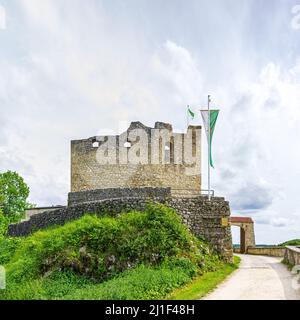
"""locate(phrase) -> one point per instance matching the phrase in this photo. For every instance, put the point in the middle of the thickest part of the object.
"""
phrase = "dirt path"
(258, 278)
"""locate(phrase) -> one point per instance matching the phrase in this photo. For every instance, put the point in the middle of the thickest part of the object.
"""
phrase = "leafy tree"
(13, 196)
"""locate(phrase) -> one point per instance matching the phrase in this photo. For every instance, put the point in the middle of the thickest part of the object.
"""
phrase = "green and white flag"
(213, 119)
(190, 112)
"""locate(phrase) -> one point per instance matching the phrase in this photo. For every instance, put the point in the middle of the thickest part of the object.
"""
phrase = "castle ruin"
(121, 173)
(139, 157)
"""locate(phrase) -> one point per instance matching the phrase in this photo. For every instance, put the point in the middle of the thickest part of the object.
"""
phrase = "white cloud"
(69, 71)
(176, 65)
(2, 18)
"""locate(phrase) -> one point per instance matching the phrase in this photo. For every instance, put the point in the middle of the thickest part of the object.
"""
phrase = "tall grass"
(138, 255)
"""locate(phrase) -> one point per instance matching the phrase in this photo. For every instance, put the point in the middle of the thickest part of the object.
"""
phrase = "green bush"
(92, 249)
(103, 247)
(8, 246)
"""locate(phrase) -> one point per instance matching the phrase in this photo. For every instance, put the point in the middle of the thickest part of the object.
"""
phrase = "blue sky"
(71, 69)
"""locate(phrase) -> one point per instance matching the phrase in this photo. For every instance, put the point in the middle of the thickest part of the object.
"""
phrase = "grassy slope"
(202, 285)
(141, 283)
(134, 256)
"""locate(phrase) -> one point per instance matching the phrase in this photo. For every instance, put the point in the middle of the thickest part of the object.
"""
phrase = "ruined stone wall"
(206, 219)
(61, 216)
(170, 160)
(267, 251)
(33, 211)
(75, 198)
(292, 255)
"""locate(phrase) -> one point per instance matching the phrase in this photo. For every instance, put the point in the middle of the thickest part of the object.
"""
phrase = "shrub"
(8, 246)
(102, 248)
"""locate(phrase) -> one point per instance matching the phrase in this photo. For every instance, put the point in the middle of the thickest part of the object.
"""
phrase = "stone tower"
(140, 157)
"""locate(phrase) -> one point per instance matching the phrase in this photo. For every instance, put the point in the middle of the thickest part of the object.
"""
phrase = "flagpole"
(208, 155)
(187, 116)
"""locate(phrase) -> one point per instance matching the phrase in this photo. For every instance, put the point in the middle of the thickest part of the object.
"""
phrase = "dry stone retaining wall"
(75, 198)
(206, 219)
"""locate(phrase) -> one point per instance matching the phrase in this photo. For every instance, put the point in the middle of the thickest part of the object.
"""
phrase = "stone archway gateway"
(247, 236)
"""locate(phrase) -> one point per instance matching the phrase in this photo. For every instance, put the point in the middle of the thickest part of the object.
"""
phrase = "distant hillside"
(295, 242)
(257, 245)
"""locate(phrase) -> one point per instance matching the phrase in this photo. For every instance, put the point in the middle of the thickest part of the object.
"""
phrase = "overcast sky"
(70, 69)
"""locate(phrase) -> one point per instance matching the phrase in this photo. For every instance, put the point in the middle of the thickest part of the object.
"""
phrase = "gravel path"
(258, 278)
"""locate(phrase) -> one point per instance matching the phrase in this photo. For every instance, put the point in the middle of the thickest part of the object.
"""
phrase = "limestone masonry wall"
(75, 198)
(206, 219)
(155, 157)
(267, 251)
(292, 255)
